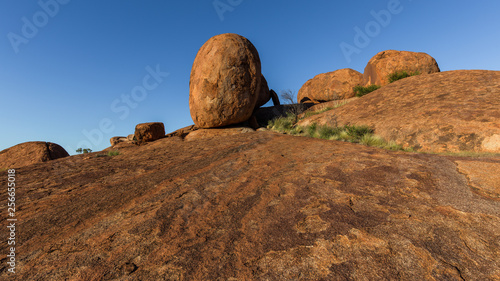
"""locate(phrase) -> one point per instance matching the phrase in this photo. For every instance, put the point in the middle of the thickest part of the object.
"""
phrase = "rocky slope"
(450, 111)
(256, 206)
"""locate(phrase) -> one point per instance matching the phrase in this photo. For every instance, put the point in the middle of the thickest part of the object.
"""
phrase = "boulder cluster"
(227, 89)
(339, 84)
(145, 132)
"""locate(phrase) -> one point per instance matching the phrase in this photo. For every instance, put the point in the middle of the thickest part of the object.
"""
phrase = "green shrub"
(398, 75)
(361, 91)
(113, 153)
(110, 153)
(282, 124)
(83, 150)
(311, 130)
(358, 131)
(372, 140)
(326, 132)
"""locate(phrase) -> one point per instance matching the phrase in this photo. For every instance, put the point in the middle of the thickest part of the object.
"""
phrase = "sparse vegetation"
(398, 75)
(349, 133)
(110, 153)
(465, 154)
(311, 113)
(113, 153)
(361, 91)
(285, 124)
(83, 150)
(288, 97)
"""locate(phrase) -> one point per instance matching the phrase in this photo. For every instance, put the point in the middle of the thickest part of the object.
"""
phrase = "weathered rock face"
(256, 206)
(264, 93)
(29, 153)
(330, 86)
(450, 111)
(217, 132)
(182, 132)
(327, 105)
(147, 132)
(225, 81)
(388, 62)
(116, 140)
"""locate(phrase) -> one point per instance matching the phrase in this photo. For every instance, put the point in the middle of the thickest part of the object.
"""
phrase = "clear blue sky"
(65, 67)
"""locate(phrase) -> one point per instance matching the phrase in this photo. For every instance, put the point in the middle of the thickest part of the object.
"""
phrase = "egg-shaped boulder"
(225, 81)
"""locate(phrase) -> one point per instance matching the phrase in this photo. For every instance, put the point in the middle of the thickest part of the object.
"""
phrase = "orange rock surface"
(388, 62)
(253, 206)
(450, 111)
(330, 86)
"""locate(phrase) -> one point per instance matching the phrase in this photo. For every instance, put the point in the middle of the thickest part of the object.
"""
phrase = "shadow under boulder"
(265, 114)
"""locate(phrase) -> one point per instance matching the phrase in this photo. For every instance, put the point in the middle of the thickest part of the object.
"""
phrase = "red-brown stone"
(387, 62)
(225, 81)
(29, 153)
(335, 85)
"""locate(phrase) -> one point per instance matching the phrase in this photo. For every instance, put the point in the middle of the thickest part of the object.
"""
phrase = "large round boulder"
(330, 86)
(387, 62)
(225, 81)
(28, 153)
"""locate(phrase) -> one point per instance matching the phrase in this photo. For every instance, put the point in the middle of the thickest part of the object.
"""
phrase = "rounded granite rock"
(387, 62)
(225, 81)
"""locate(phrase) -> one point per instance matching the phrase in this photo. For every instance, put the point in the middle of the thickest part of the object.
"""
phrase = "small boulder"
(116, 140)
(30, 153)
(182, 132)
(264, 93)
(275, 98)
(387, 62)
(335, 85)
(131, 137)
(225, 81)
(147, 132)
